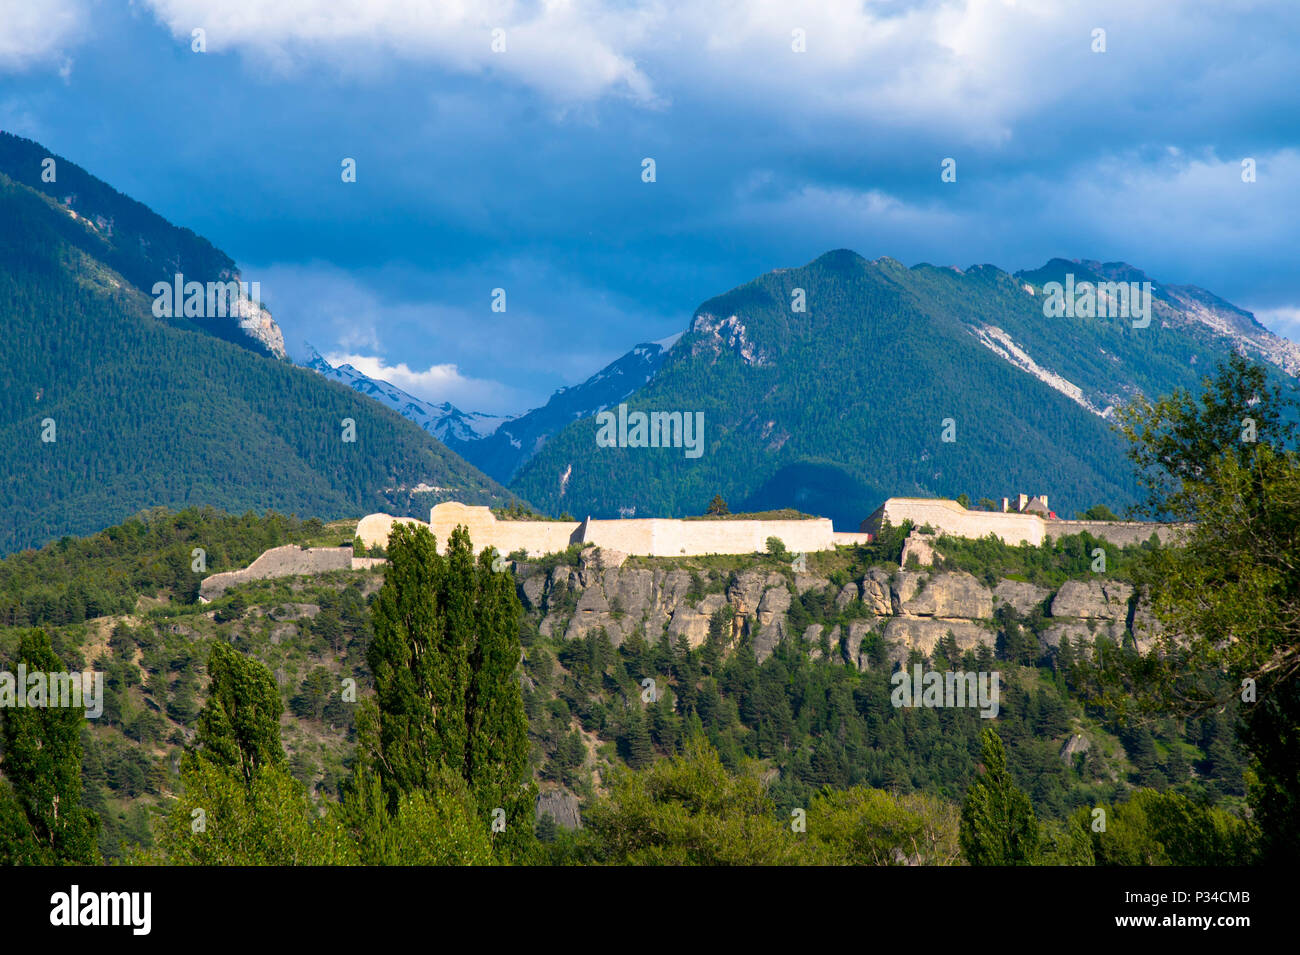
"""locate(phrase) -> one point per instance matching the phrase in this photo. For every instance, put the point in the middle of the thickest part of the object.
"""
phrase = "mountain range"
(499, 445)
(899, 381)
(834, 408)
(825, 388)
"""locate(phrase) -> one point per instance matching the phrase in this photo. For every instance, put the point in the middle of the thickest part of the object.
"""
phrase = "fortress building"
(673, 537)
(646, 537)
(1030, 522)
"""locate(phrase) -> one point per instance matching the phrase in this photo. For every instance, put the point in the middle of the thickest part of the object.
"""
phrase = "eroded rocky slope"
(911, 610)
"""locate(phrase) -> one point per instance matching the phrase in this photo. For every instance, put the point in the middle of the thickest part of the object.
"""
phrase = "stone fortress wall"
(646, 537)
(671, 537)
(949, 517)
(287, 561)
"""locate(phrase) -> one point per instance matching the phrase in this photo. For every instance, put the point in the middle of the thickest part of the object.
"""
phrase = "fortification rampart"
(286, 561)
(648, 537)
(949, 517)
(1120, 533)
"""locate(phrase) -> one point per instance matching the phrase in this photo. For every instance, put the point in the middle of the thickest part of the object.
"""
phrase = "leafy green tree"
(1229, 595)
(998, 826)
(863, 826)
(689, 810)
(42, 819)
(1099, 512)
(1178, 443)
(1154, 828)
(438, 827)
(718, 506)
(221, 819)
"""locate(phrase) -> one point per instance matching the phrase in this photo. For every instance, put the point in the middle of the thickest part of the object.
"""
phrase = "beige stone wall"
(844, 539)
(668, 537)
(1118, 532)
(373, 529)
(285, 561)
(650, 537)
(949, 517)
(535, 537)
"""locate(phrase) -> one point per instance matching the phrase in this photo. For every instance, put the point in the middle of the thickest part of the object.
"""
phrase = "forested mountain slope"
(107, 410)
(896, 381)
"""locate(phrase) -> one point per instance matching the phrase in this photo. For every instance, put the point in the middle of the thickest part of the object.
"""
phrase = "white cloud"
(569, 49)
(37, 33)
(972, 68)
(436, 383)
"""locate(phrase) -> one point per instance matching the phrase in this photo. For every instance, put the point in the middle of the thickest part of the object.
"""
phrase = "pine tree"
(42, 820)
(638, 747)
(998, 826)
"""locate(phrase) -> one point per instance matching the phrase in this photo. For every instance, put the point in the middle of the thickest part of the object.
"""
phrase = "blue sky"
(521, 169)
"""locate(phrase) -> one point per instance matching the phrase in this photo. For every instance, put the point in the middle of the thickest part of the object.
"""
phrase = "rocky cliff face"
(910, 610)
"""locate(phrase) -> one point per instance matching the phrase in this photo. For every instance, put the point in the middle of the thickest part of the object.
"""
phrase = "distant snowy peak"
(514, 442)
(444, 421)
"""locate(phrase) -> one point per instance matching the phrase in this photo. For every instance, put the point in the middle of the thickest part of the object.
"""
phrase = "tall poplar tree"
(239, 726)
(445, 656)
(42, 820)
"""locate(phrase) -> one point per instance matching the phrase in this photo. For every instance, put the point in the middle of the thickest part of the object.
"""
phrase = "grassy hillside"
(813, 725)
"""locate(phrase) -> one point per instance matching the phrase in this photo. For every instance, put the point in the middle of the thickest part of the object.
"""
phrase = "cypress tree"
(998, 826)
(239, 726)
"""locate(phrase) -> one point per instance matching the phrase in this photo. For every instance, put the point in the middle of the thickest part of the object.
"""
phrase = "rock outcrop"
(919, 547)
(560, 805)
(1092, 599)
(905, 633)
(941, 595)
(911, 610)
(1023, 596)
